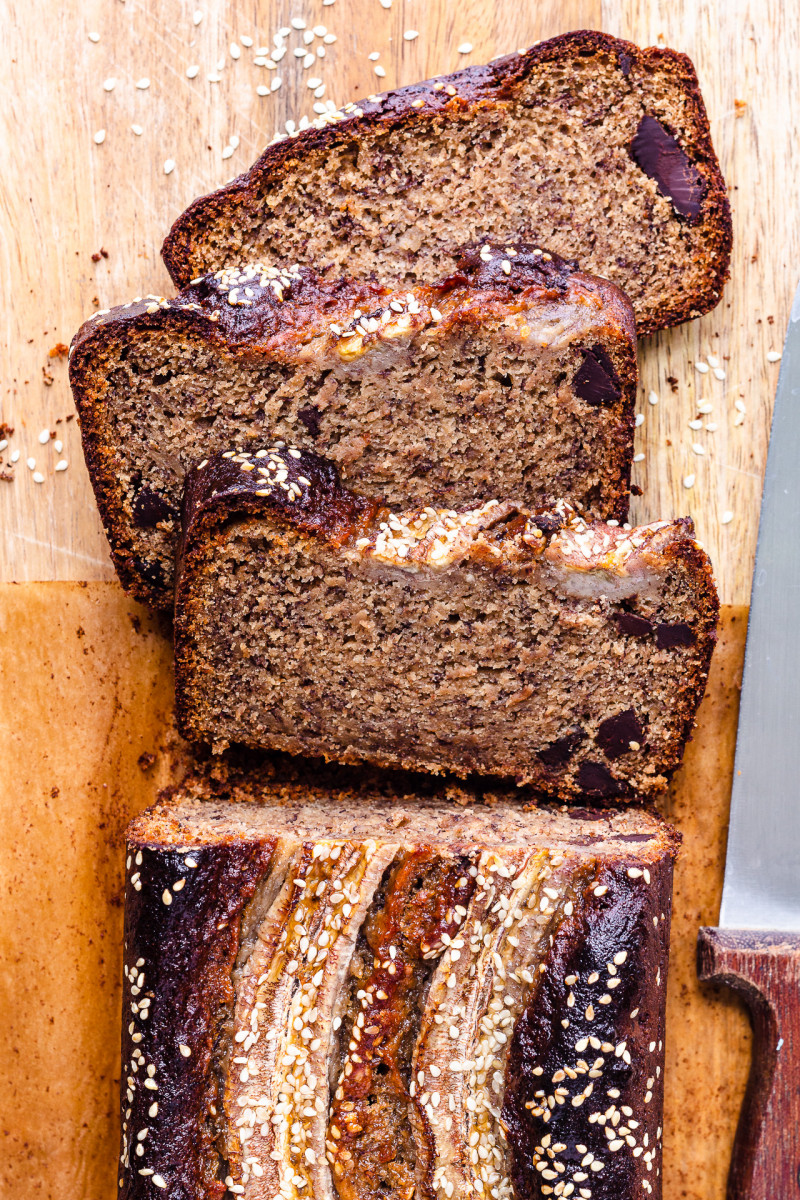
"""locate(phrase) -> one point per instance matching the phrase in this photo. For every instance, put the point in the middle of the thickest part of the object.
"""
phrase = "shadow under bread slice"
(359, 993)
(517, 367)
(495, 640)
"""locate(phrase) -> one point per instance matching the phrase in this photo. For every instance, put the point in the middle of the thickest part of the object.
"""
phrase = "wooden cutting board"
(85, 686)
(86, 729)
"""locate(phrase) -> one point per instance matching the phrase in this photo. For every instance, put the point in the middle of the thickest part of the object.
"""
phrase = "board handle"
(764, 967)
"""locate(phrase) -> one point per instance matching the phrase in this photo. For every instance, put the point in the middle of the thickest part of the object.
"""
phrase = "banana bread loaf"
(585, 144)
(312, 619)
(365, 996)
(518, 369)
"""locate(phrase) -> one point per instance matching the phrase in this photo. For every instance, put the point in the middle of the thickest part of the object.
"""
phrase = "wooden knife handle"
(765, 968)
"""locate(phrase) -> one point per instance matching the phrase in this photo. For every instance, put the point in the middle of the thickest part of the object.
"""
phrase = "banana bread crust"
(684, 165)
(602, 892)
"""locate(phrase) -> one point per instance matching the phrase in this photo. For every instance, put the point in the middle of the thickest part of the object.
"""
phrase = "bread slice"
(517, 371)
(311, 619)
(585, 144)
(363, 994)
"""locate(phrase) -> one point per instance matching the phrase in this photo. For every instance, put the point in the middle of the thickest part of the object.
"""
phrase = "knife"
(756, 949)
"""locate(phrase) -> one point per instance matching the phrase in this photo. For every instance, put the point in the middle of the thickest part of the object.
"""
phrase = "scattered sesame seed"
(169, 166)
(726, 517)
(688, 481)
(61, 465)
(380, 71)
(652, 398)
(166, 896)
(143, 84)
(695, 424)
(465, 48)
(261, 90)
(719, 373)
(185, 1050)
(14, 456)
(638, 457)
(159, 1181)
(712, 360)
(192, 72)
(30, 463)
(38, 477)
(100, 137)
(298, 23)
(235, 50)
(197, 16)
(740, 406)
(773, 356)
(697, 448)
(374, 56)
(705, 407)
(639, 420)
(410, 35)
(137, 129)
(109, 84)
(44, 437)
(94, 37)
(701, 367)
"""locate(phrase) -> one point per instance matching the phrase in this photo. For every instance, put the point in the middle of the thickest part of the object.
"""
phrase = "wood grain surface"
(64, 198)
(764, 967)
(85, 683)
(88, 740)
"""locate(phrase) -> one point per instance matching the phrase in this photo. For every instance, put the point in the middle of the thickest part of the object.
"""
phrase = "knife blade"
(756, 949)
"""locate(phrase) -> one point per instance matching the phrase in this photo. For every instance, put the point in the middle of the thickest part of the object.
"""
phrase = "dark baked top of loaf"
(641, 201)
(346, 993)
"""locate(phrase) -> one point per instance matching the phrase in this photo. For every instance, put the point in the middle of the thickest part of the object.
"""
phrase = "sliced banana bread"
(584, 143)
(364, 995)
(517, 372)
(312, 619)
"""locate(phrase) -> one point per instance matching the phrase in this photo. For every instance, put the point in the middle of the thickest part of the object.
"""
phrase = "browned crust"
(277, 329)
(221, 494)
(185, 251)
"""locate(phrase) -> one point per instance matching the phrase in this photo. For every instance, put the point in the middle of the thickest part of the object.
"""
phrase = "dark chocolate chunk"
(660, 156)
(596, 380)
(151, 571)
(149, 508)
(616, 733)
(632, 625)
(562, 749)
(624, 63)
(596, 780)
(310, 418)
(548, 523)
(670, 636)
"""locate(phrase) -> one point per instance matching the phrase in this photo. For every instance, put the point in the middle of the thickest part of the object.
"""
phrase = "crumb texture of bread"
(586, 144)
(346, 993)
(516, 368)
(567, 655)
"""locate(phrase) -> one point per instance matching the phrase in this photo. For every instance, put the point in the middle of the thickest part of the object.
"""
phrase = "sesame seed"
(638, 457)
(166, 896)
(719, 373)
(185, 1050)
(192, 72)
(465, 48)
(143, 84)
(688, 481)
(94, 37)
(697, 448)
(38, 477)
(197, 16)
(652, 398)
(410, 35)
(773, 356)
(61, 465)
(100, 137)
(159, 1181)
(137, 129)
(726, 517)
(701, 367)
(235, 50)
(109, 84)
(169, 166)
(380, 71)
(639, 420)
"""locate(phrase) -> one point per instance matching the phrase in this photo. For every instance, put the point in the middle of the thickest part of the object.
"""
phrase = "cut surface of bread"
(586, 144)
(518, 369)
(308, 618)
(360, 994)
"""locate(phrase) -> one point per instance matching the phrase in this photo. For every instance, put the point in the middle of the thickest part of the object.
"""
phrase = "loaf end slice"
(518, 367)
(584, 143)
(496, 640)
(357, 993)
